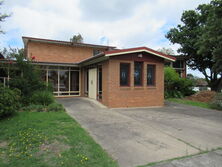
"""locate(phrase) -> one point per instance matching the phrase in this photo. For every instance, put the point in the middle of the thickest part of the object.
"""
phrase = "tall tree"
(77, 38)
(200, 39)
(3, 16)
(168, 51)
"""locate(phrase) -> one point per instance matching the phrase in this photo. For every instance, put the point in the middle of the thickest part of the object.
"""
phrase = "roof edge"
(26, 39)
(140, 49)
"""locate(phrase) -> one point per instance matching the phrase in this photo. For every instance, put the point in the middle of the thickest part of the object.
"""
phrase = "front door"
(92, 83)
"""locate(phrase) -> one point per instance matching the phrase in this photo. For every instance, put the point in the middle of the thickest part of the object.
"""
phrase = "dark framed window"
(124, 74)
(151, 70)
(138, 73)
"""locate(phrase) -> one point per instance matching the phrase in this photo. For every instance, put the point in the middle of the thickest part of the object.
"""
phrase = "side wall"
(131, 96)
(44, 52)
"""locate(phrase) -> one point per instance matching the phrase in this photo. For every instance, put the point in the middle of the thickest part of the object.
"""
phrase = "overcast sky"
(122, 23)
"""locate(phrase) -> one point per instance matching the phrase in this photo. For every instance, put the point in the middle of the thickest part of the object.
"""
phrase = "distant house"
(179, 65)
(201, 84)
(131, 77)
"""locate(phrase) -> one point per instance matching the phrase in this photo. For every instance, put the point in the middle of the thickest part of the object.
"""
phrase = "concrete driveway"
(139, 136)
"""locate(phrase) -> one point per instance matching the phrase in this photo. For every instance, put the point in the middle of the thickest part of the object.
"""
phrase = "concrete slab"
(199, 127)
(139, 136)
(210, 159)
(218, 152)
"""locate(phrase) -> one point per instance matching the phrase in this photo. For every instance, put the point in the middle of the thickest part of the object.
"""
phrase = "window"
(151, 75)
(124, 74)
(138, 72)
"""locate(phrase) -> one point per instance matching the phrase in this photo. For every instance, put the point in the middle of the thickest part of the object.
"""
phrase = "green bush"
(34, 108)
(217, 102)
(9, 101)
(42, 98)
(176, 87)
(55, 107)
(26, 77)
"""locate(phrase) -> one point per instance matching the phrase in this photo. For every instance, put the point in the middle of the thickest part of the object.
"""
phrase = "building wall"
(131, 96)
(44, 52)
(105, 83)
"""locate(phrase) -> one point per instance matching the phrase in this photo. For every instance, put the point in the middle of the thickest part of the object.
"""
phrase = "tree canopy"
(200, 39)
(77, 38)
(3, 16)
(168, 51)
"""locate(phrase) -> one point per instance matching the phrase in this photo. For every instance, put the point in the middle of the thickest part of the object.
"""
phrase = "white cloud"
(122, 23)
(144, 23)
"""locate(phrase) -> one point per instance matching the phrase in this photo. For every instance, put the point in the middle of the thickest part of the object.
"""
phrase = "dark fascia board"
(27, 39)
(43, 63)
(95, 59)
(56, 64)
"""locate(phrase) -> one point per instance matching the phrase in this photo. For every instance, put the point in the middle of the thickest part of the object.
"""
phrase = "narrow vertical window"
(138, 72)
(124, 74)
(151, 70)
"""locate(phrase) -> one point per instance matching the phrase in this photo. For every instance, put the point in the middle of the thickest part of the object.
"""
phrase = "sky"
(121, 23)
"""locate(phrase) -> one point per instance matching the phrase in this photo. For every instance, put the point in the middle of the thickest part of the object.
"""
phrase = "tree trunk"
(216, 85)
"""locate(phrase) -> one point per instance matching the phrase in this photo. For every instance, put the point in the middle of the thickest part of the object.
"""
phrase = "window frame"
(141, 74)
(128, 76)
(154, 75)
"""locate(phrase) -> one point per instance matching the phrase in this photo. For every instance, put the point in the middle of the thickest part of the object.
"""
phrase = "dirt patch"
(3, 155)
(3, 144)
(202, 96)
(51, 150)
(55, 147)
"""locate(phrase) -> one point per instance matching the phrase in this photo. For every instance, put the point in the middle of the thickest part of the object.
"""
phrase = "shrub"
(9, 101)
(42, 98)
(34, 108)
(217, 102)
(55, 107)
(25, 76)
(176, 87)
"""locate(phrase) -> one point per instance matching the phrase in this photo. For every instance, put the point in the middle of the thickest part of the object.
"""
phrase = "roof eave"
(27, 39)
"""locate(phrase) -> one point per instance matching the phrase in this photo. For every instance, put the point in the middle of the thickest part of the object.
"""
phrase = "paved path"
(139, 136)
(211, 159)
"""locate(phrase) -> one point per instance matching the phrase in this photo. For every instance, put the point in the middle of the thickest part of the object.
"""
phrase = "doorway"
(92, 83)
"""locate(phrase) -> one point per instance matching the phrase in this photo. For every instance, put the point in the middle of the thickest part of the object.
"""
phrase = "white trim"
(141, 50)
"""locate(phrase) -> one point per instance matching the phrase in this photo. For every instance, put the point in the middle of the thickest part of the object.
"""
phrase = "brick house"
(116, 77)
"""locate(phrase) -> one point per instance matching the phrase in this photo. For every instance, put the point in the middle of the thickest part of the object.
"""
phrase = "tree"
(200, 39)
(175, 86)
(77, 38)
(168, 51)
(24, 75)
(3, 16)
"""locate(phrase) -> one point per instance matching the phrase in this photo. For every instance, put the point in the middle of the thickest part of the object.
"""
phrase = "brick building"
(116, 77)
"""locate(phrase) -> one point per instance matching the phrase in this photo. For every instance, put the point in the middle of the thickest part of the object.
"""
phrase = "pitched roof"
(105, 55)
(26, 39)
(139, 49)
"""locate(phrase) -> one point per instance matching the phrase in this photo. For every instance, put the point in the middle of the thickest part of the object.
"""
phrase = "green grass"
(45, 139)
(189, 102)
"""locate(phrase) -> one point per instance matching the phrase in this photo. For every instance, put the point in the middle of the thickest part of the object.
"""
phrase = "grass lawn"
(48, 139)
(189, 102)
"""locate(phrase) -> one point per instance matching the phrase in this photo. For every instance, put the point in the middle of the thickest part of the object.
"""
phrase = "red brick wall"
(45, 52)
(115, 96)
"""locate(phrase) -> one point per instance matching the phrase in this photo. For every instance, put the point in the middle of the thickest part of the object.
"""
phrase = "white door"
(93, 83)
